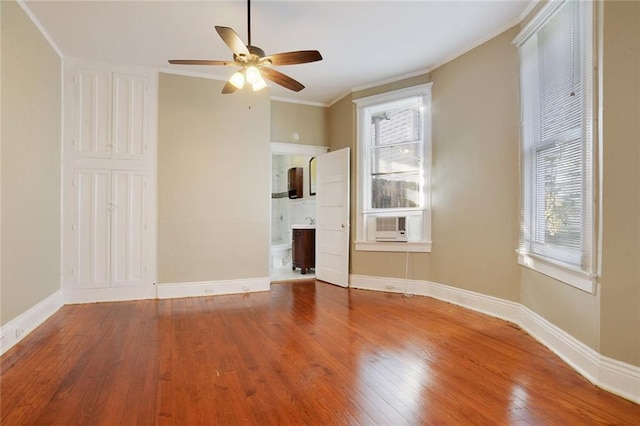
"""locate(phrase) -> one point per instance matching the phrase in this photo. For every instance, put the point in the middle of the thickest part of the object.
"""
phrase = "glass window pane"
(558, 194)
(396, 126)
(560, 81)
(398, 158)
(395, 191)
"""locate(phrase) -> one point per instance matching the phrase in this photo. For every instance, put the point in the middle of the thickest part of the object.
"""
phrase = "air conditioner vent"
(391, 228)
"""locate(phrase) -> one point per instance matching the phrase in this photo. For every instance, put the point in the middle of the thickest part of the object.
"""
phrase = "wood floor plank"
(304, 353)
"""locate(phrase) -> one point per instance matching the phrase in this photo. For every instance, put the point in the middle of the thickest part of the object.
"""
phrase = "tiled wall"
(284, 211)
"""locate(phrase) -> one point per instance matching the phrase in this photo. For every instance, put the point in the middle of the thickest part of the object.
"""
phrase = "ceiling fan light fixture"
(260, 84)
(237, 80)
(254, 65)
(252, 75)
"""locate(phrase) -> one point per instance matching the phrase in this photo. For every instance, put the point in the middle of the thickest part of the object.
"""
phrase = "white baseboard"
(110, 294)
(500, 308)
(19, 327)
(614, 376)
(619, 378)
(579, 356)
(16, 329)
(211, 288)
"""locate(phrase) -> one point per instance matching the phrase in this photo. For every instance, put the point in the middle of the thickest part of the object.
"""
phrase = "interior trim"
(19, 327)
(283, 148)
(213, 288)
(404, 247)
(578, 279)
(40, 28)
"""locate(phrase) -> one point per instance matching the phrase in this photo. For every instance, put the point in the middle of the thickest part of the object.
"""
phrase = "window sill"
(578, 279)
(410, 247)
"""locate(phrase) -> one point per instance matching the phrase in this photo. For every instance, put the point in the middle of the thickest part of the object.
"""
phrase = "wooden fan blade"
(200, 62)
(292, 58)
(228, 88)
(281, 79)
(233, 40)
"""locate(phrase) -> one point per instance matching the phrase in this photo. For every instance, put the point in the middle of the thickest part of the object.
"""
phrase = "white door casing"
(332, 223)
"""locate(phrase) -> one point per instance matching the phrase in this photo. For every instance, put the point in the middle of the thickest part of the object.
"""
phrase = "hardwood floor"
(305, 353)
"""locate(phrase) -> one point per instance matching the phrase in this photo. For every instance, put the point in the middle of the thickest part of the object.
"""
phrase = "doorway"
(289, 212)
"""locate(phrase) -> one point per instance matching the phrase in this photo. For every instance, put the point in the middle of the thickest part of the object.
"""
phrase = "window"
(556, 85)
(394, 158)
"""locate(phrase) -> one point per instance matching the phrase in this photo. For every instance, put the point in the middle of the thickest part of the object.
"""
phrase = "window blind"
(556, 91)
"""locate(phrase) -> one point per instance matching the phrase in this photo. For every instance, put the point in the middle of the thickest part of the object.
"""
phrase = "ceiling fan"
(255, 66)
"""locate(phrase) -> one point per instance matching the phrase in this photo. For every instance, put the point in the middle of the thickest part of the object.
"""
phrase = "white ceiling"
(362, 42)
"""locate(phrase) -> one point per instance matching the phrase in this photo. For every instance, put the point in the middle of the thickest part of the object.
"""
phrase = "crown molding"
(40, 28)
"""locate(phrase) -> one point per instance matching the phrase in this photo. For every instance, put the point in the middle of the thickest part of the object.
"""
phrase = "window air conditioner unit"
(391, 228)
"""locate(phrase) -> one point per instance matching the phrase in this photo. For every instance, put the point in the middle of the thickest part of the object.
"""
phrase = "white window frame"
(420, 241)
(581, 278)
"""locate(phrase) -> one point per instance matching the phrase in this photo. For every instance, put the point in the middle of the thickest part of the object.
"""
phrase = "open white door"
(332, 222)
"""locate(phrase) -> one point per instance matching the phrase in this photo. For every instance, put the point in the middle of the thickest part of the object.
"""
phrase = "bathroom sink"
(303, 226)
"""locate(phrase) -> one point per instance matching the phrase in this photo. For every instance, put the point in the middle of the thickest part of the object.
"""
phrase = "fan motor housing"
(255, 54)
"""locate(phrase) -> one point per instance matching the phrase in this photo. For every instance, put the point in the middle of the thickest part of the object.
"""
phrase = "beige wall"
(474, 174)
(31, 120)
(213, 182)
(308, 121)
(620, 300)
(476, 189)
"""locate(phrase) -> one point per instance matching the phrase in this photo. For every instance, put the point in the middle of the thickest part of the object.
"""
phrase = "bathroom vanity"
(303, 247)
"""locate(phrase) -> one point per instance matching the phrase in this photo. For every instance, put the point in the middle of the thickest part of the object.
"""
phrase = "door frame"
(284, 148)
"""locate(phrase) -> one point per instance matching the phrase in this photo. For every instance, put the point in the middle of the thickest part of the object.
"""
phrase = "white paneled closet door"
(128, 229)
(130, 101)
(109, 217)
(92, 228)
(111, 115)
(110, 228)
(92, 112)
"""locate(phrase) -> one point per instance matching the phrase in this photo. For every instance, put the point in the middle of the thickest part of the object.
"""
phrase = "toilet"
(280, 255)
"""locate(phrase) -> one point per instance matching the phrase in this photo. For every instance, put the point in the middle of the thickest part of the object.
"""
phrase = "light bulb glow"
(253, 75)
(260, 84)
(237, 80)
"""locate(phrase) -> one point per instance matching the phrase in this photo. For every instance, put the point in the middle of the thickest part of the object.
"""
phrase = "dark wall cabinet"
(295, 182)
(304, 249)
